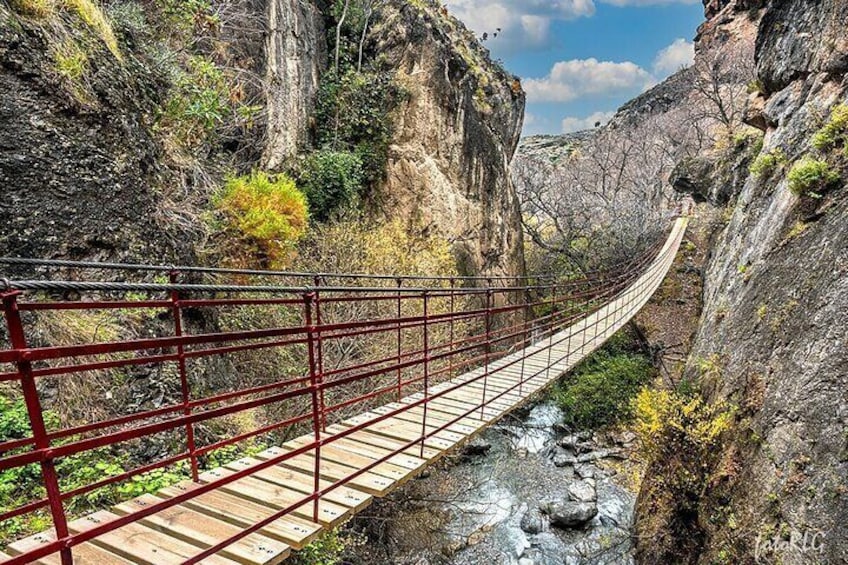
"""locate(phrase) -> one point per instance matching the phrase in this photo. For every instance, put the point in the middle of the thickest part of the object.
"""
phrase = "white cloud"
(522, 23)
(569, 80)
(571, 124)
(680, 53)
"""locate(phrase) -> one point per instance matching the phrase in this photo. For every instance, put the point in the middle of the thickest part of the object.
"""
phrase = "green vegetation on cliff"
(598, 393)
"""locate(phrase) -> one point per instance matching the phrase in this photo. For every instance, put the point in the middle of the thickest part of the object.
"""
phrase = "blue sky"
(581, 59)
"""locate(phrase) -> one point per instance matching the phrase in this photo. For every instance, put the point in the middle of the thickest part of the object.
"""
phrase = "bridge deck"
(174, 535)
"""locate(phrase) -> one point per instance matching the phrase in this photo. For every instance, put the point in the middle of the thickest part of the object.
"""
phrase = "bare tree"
(339, 26)
(368, 8)
(721, 81)
(608, 197)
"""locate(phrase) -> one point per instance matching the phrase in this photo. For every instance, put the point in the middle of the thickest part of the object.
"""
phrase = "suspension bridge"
(363, 382)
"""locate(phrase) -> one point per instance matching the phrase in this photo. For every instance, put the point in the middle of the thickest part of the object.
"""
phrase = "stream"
(525, 492)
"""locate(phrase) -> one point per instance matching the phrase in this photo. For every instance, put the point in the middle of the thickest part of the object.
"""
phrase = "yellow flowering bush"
(686, 421)
(270, 213)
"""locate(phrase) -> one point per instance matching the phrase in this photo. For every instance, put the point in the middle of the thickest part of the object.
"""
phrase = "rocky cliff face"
(90, 177)
(772, 339)
(294, 60)
(455, 136)
(78, 179)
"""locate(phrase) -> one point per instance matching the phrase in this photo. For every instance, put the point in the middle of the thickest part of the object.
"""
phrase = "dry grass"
(92, 14)
(34, 8)
(89, 11)
(71, 60)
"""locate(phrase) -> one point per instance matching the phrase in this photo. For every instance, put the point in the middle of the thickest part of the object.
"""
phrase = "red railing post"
(314, 385)
(524, 339)
(488, 345)
(185, 389)
(426, 371)
(319, 352)
(17, 338)
(452, 337)
(399, 341)
(553, 328)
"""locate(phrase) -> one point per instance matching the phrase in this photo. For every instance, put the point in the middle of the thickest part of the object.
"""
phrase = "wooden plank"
(368, 482)
(402, 460)
(467, 411)
(499, 405)
(401, 430)
(438, 444)
(337, 454)
(303, 481)
(465, 426)
(467, 423)
(368, 438)
(83, 554)
(470, 409)
(503, 399)
(292, 530)
(140, 544)
(329, 514)
(412, 416)
(459, 399)
(205, 532)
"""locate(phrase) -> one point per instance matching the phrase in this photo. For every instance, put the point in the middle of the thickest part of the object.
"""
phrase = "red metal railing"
(331, 340)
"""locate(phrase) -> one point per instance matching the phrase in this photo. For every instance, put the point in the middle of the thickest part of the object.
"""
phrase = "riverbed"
(525, 492)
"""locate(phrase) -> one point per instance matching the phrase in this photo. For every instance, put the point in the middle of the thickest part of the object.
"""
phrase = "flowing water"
(472, 511)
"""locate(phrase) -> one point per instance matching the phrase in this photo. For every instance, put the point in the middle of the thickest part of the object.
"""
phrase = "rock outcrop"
(295, 57)
(78, 179)
(455, 136)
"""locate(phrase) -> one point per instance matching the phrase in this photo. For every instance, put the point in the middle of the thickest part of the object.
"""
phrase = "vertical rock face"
(455, 136)
(77, 179)
(774, 319)
(798, 39)
(295, 56)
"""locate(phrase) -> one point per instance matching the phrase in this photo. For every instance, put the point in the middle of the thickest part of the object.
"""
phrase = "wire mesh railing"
(245, 361)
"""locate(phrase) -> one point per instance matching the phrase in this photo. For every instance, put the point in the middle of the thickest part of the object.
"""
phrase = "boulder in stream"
(476, 448)
(583, 491)
(567, 514)
(533, 521)
(564, 460)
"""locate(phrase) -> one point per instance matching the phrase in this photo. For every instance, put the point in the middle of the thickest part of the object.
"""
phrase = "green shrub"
(185, 16)
(809, 175)
(353, 114)
(835, 132)
(70, 59)
(332, 181)
(746, 136)
(199, 102)
(766, 163)
(21, 485)
(269, 212)
(600, 390)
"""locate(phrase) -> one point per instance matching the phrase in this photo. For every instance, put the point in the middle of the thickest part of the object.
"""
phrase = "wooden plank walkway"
(182, 531)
